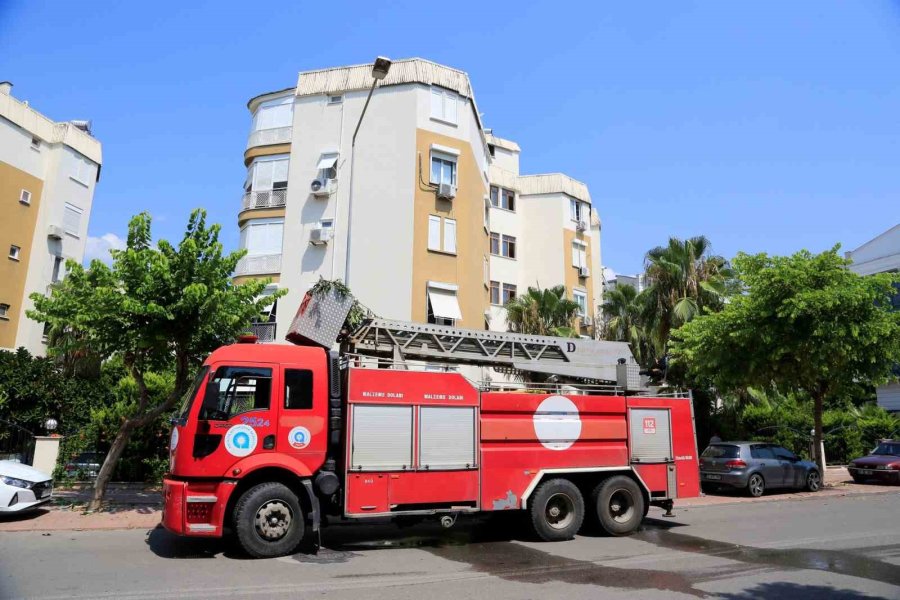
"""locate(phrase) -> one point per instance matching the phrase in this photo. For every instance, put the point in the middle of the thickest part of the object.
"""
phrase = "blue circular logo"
(299, 438)
(240, 440)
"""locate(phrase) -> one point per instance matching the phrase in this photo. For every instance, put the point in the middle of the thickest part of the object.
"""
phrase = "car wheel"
(813, 481)
(756, 485)
(557, 510)
(268, 520)
(620, 505)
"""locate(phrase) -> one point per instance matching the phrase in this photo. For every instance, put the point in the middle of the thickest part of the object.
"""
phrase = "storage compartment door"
(651, 435)
(446, 437)
(382, 438)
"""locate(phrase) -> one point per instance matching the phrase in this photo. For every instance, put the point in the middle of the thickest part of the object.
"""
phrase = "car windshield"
(887, 449)
(721, 451)
(192, 391)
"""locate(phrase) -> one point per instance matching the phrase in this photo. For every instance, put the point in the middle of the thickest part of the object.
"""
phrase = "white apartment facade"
(48, 173)
(439, 217)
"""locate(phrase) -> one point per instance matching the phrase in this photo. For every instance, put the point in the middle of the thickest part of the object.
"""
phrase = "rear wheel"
(756, 485)
(813, 481)
(557, 510)
(268, 520)
(619, 504)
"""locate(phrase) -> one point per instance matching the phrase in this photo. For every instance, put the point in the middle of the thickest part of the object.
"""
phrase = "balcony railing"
(267, 137)
(260, 264)
(265, 332)
(264, 199)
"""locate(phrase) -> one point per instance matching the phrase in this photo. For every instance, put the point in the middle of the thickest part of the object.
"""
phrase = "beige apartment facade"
(48, 173)
(437, 210)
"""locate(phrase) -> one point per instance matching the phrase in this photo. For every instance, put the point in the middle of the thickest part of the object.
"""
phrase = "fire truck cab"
(271, 438)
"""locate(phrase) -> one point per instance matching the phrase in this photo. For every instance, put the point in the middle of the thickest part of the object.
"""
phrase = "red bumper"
(195, 508)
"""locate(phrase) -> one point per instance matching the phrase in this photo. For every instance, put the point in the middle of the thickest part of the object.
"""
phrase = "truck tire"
(619, 504)
(557, 510)
(268, 520)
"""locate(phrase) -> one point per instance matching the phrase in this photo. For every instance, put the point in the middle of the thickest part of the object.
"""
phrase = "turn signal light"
(736, 464)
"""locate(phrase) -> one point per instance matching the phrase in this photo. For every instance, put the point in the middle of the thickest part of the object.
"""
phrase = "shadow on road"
(25, 515)
(797, 591)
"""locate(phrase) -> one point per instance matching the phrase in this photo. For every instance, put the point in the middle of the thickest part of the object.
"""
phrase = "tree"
(543, 312)
(803, 324)
(159, 308)
(622, 312)
(684, 280)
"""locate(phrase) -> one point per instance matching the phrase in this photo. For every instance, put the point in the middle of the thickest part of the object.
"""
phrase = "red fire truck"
(272, 439)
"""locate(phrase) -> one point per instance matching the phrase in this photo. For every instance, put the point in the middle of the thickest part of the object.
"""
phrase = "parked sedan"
(86, 464)
(882, 465)
(22, 487)
(756, 467)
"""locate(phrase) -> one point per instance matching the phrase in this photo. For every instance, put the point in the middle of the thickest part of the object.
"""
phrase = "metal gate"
(651, 435)
(16, 443)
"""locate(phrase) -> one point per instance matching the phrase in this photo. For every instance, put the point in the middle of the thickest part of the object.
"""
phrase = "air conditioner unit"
(581, 226)
(55, 232)
(320, 236)
(586, 321)
(322, 187)
(583, 272)
(446, 191)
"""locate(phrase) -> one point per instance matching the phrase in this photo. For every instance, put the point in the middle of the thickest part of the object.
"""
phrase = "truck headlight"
(15, 482)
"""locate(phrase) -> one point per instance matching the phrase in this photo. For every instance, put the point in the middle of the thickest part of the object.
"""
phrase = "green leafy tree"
(803, 324)
(543, 312)
(158, 307)
(622, 312)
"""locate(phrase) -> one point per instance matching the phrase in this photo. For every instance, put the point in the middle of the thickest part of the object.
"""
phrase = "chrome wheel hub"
(273, 520)
(560, 511)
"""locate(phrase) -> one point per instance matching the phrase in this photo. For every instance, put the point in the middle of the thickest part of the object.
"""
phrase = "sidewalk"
(138, 507)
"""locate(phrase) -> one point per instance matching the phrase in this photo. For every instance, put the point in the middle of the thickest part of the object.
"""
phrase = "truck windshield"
(189, 395)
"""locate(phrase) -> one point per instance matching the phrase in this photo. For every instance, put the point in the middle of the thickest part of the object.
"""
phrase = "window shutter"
(280, 170)
(437, 103)
(449, 235)
(450, 107)
(434, 232)
(72, 219)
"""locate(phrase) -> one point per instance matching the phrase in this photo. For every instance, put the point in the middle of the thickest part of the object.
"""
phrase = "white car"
(22, 487)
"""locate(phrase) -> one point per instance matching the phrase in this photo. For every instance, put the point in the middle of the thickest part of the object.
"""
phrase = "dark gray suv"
(755, 467)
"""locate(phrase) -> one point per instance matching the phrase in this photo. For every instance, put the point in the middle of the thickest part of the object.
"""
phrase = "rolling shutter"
(382, 438)
(446, 437)
(651, 438)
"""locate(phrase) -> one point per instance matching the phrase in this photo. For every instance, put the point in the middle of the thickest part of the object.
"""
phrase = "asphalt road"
(845, 548)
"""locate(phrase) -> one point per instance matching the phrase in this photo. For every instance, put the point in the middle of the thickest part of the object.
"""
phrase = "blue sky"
(767, 126)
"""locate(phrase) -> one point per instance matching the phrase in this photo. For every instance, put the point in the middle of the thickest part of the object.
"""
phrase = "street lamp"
(380, 69)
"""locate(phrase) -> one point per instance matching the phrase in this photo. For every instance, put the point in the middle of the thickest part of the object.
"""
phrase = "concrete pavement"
(822, 548)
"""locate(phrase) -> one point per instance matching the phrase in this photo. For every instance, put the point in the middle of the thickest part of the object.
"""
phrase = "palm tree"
(542, 312)
(684, 280)
(622, 320)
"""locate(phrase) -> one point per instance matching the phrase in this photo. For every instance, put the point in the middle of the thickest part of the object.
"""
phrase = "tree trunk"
(817, 434)
(109, 464)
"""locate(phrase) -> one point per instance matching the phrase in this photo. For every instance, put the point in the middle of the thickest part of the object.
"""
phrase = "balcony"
(260, 264)
(264, 199)
(268, 137)
(265, 332)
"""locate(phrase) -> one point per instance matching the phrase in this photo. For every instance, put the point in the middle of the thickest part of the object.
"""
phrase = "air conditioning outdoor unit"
(586, 321)
(583, 272)
(322, 187)
(320, 236)
(581, 226)
(55, 232)
(446, 191)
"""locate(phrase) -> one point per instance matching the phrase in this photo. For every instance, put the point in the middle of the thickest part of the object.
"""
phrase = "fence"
(16, 443)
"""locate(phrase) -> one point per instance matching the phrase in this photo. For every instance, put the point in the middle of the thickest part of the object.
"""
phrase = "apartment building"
(442, 226)
(48, 172)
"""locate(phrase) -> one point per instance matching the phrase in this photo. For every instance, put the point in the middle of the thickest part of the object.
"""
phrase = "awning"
(327, 162)
(444, 303)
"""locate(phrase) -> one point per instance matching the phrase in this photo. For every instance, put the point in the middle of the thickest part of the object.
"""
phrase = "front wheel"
(813, 481)
(268, 520)
(756, 485)
(557, 510)
(620, 505)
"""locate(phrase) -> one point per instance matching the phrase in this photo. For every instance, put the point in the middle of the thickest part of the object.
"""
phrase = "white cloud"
(99, 247)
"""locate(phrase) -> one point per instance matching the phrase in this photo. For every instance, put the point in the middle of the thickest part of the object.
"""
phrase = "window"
(274, 113)
(495, 243)
(72, 219)
(581, 300)
(487, 214)
(443, 168)
(298, 389)
(80, 169)
(761, 452)
(509, 292)
(14, 252)
(508, 246)
(262, 236)
(487, 271)
(444, 105)
(443, 305)
(783, 454)
(4, 311)
(721, 451)
(269, 174)
(434, 234)
(36, 143)
(335, 99)
(579, 254)
(576, 209)
(491, 150)
(495, 292)
(326, 223)
(236, 390)
(59, 264)
(25, 197)
(328, 166)
(503, 198)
